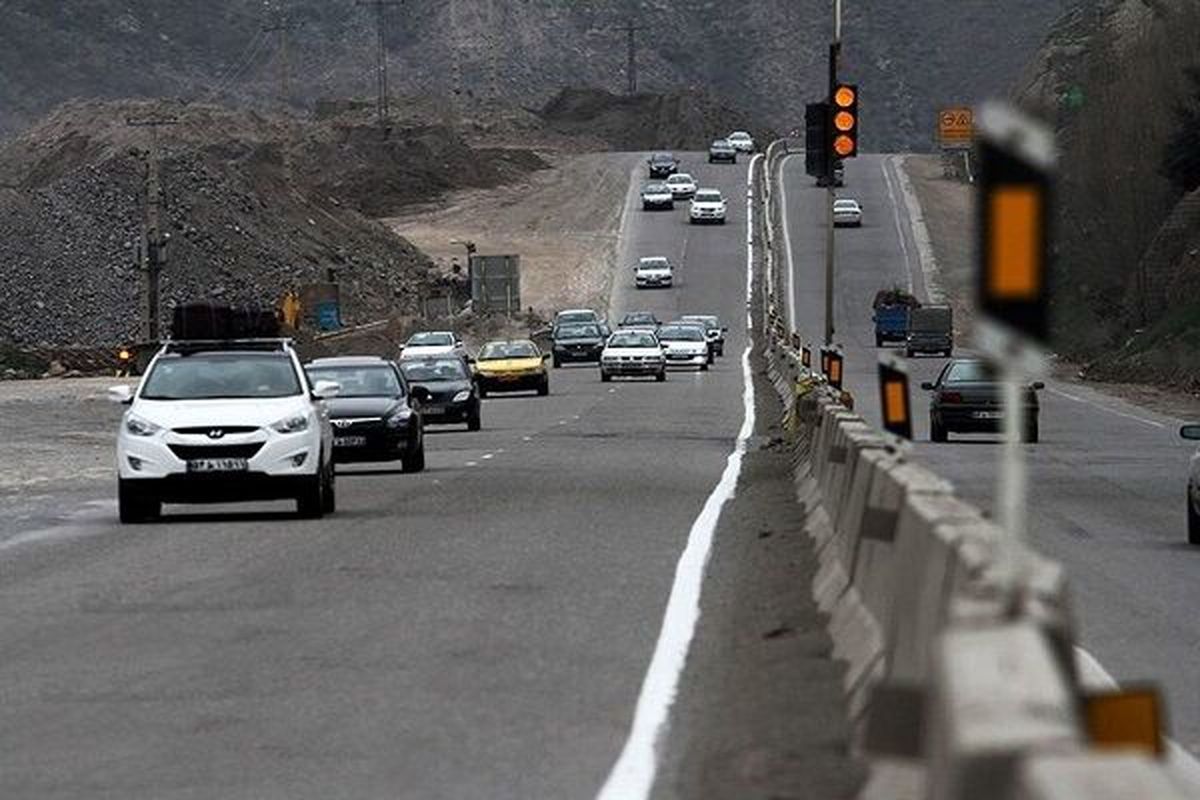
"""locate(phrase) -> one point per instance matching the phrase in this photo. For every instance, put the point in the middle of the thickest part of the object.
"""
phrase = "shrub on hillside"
(1181, 158)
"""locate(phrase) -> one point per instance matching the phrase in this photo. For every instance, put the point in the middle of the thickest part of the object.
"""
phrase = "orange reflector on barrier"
(1129, 719)
(895, 407)
(1014, 268)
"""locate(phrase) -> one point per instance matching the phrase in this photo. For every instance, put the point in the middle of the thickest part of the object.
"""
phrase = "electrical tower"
(153, 254)
(631, 31)
(283, 27)
(381, 64)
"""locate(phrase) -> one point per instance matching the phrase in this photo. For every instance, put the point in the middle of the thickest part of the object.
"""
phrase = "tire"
(310, 503)
(557, 362)
(937, 433)
(721, 350)
(712, 359)
(474, 421)
(909, 353)
(878, 340)
(132, 508)
(329, 499)
(948, 353)
(660, 377)
(544, 388)
(1030, 434)
(1193, 522)
(704, 367)
(605, 377)
(482, 391)
(415, 461)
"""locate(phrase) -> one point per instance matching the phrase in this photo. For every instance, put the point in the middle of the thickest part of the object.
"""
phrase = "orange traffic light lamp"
(844, 121)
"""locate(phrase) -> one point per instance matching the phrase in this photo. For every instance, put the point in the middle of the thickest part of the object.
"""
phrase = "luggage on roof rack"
(219, 321)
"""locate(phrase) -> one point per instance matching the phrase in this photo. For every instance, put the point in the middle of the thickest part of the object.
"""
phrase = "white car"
(427, 344)
(707, 206)
(847, 213)
(653, 272)
(685, 345)
(224, 422)
(633, 352)
(682, 185)
(657, 195)
(741, 141)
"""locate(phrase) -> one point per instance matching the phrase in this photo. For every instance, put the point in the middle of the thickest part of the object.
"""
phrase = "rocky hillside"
(765, 58)
(1110, 78)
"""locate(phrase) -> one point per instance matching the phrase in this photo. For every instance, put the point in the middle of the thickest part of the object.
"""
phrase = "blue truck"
(892, 309)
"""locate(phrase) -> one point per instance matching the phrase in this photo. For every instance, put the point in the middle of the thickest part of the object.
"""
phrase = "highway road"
(480, 630)
(1107, 480)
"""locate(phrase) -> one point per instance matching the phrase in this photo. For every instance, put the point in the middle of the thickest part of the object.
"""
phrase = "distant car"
(633, 353)
(453, 395)
(839, 176)
(684, 345)
(662, 165)
(657, 195)
(682, 186)
(579, 342)
(433, 343)
(968, 397)
(511, 366)
(375, 416)
(707, 206)
(1192, 433)
(723, 151)
(642, 320)
(930, 330)
(847, 213)
(741, 141)
(713, 330)
(653, 272)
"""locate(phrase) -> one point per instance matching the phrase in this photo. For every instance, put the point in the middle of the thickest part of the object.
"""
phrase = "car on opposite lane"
(968, 397)
(1192, 433)
(707, 206)
(847, 212)
(713, 330)
(633, 353)
(685, 345)
(682, 186)
(575, 343)
(453, 394)
(657, 196)
(741, 141)
(723, 152)
(511, 365)
(662, 165)
(433, 343)
(221, 422)
(653, 272)
(375, 416)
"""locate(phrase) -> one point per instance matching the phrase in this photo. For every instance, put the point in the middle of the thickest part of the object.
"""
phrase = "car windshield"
(431, 340)
(632, 339)
(654, 263)
(846, 204)
(739, 135)
(681, 333)
(639, 319)
(568, 317)
(662, 158)
(579, 332)
(707, 322)
(679, 178)
(495, 351)
(970, 372)
(203, 376)
(445, 369)
(360, 381)
(708, 197)
(655, 188)
(720, 144)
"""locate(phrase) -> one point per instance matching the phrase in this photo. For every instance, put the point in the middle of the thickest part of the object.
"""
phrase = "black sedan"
(723, 151)
(373, 415)
(577, 343)
(968, 397)
(453, 393)
(662, 165)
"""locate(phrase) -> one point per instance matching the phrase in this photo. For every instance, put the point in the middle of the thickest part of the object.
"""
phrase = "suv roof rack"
(208, 345)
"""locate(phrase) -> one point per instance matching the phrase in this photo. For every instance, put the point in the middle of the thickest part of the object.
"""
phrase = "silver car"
(1192, 433)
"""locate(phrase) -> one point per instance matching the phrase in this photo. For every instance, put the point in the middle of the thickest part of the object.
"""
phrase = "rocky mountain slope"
(765, 58)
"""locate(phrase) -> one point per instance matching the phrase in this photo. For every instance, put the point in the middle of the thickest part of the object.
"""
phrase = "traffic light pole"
(831, 194)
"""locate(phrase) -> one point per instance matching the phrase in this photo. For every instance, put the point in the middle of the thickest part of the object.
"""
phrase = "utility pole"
(631, 31)
(835, 51)
(381, 63)
(282, 27)
(153, 255)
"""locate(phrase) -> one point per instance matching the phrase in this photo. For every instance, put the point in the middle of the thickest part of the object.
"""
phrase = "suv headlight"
(293, 424)
(462, 396)
(140, 427)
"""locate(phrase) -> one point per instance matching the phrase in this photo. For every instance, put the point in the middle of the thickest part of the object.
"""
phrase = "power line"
(381, 61)
(283, 27)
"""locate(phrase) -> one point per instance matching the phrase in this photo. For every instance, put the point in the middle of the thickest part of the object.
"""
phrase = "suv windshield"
(631, 339)
(210, 376)
(708, 197)
(360, 381)
(679, 177)
(494, 351)
(444, 369)
(431, 340)
(681, 333)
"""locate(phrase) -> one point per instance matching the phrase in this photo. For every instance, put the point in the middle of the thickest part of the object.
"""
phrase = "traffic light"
(816, 139)
(843, 121)
(1016, 158)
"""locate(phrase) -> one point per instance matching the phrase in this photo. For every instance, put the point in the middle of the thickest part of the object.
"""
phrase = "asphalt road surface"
(480, 630)
(1107, 480)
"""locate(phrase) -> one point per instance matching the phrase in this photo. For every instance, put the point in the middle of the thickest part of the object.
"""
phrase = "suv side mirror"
(1038, 386)
(326, 390)
(121, 394)
(927, 386)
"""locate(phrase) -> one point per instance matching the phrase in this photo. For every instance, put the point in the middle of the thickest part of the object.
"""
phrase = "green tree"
(1181, 159)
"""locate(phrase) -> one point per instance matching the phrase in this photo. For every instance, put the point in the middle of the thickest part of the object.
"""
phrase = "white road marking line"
(632, 777)
(787, 245)
(612, 391)
(1113, 411)
(908, 265)
(488, 456)
(526, 438)
(920, 234)
(472, 464)
(74, 526)
(1093, 675)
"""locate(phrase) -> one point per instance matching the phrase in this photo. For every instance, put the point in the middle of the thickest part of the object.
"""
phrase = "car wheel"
(712, 358)
(1193, 522)
(605, 377)
(557, 362)
(721, 350)
(1030, 434)
(474, 420)
(310, 503)
(908, 353)
(329, 499)
(948, 353)
(660, 377)
(544, 388)
(704, 367)
(645, 206)
(937, 433)
(878, 340)
(133, 508)
(482, 391)
(414, 461)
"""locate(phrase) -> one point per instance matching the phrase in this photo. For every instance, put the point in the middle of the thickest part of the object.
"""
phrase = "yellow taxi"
(512, 365)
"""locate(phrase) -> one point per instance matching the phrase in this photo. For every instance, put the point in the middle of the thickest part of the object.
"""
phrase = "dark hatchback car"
(722, 151)
(662, 165)
(577, 343)
(453, 393)
(968, 397)
(640, 319)
(375, 416)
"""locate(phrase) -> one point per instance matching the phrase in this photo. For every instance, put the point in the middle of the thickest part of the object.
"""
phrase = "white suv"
(219, 422)
(707, 206)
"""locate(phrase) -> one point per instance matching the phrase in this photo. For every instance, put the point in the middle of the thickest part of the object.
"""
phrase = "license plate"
(433, 411)
(218, 465)
(349, 441)
(989, 415)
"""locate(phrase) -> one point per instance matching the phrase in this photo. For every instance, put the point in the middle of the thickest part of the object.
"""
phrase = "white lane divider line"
(891, 188)
(472, 464)
(920, 234)
(488, 456)
(632, 776)
(526, 438)
(1076, 399)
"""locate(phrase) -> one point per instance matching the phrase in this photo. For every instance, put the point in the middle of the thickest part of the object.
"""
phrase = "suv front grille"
(189, 452)
(208, 429)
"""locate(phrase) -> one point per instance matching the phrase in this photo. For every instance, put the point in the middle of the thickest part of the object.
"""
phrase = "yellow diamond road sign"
(956, 127)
